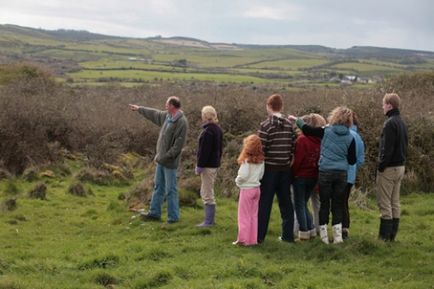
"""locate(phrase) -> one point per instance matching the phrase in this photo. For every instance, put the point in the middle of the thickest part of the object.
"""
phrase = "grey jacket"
(172, 136)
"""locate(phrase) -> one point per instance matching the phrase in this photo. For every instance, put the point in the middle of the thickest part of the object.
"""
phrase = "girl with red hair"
(251, 161)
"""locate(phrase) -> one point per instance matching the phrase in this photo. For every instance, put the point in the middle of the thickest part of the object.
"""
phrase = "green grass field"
(92, 242)
(203, 61)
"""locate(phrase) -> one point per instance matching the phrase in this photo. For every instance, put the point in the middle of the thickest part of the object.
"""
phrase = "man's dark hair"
(174, 100)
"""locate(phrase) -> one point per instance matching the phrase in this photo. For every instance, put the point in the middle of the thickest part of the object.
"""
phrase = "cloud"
(281, 12)
(391, 23)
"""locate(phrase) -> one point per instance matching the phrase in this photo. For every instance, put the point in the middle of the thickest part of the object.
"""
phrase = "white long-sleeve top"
(249, 175)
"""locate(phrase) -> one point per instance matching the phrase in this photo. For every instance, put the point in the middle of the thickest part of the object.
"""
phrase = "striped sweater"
(278, 142)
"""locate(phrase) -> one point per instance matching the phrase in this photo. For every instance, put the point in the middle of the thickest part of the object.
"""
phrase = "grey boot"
(385, 231)
(209, 216)
(395, 227)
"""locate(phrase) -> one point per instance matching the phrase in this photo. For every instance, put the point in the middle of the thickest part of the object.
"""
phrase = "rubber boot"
(395, 227)
(345, 233)
(209, 216)
(385, 231)
(337, 234)
(323, 234)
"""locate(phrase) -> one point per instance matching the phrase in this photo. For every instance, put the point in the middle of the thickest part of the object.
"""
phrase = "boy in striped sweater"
(278, 142)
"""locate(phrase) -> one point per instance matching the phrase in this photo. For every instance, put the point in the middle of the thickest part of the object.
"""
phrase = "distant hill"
(60, 34)
(83, 56)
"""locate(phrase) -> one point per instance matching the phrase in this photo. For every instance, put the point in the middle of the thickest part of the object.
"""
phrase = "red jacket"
(307, 152)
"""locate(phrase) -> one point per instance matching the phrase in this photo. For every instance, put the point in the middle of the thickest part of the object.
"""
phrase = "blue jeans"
(303, 189)
(279, 183)
(165, 186)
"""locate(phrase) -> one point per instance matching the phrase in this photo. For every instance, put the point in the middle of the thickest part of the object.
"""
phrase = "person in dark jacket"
(338, 151)
(391, 167)
(209, 152)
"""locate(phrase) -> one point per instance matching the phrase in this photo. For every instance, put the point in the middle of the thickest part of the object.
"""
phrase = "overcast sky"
(339, 24)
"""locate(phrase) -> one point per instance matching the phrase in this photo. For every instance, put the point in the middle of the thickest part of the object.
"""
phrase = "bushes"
(41, 120)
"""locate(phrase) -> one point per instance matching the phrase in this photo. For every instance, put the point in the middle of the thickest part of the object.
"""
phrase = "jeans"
(165, 186)
(279, 183)
(303, 189)
(332, 190)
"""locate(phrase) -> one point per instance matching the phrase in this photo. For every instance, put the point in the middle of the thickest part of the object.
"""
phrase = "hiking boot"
(148, 217)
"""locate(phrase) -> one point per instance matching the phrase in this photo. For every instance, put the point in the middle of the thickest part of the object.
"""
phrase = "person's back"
(391, 167)
(393, 141)
(305, 171)
(278, 142)
(334, 148)
(251, 161)
(278, 137)
(306, 157)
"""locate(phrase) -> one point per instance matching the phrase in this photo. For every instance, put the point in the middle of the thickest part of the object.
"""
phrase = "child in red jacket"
(305, 171)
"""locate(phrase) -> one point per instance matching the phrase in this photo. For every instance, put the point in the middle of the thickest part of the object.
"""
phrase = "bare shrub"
(9, 205)
(360, 198)
(77, 189)
(4, 174)
(41, 120)
(187, 198)
(140, 194)
(192, 184)
(11, 188)
(31, 174)
(96, 176)
(38, 192)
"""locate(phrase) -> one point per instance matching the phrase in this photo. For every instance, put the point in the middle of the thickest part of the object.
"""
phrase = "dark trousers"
(346, 213)
(279, 183)
(332, 191)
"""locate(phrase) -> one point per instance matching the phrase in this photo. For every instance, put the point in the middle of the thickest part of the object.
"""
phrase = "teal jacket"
(172, 136)
(334, 148)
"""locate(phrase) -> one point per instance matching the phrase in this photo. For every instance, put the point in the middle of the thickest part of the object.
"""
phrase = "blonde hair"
(314, 119)
(209, 114)
(252, 150)
(393, 99)
(341, 115)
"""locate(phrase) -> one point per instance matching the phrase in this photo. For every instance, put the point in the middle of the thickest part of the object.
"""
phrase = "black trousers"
(279, 183)
(331, 192)
(346, 212)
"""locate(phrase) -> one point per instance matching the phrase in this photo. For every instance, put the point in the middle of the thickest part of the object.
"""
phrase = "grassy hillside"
(80, 57)
(68, 241)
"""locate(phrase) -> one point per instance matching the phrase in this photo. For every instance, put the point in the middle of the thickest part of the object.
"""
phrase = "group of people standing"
(317, 159)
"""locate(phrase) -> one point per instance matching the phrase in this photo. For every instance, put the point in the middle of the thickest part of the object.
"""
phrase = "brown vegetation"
(38, 192)
(41, 120)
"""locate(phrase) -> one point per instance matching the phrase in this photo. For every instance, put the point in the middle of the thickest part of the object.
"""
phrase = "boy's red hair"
(252, 150)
